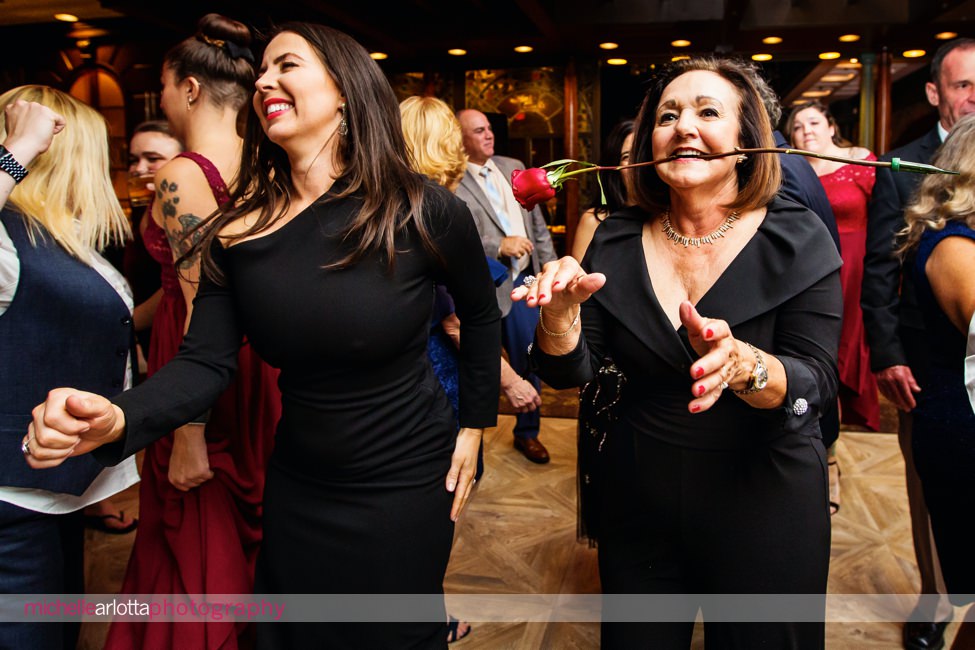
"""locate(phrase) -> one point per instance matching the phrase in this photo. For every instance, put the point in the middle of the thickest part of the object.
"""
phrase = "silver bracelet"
(558, 335)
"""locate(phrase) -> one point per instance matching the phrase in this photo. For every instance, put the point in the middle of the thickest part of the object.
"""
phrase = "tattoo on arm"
(181, 229)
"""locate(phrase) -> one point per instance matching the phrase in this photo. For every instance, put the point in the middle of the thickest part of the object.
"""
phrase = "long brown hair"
(372, 155)
(759, 177)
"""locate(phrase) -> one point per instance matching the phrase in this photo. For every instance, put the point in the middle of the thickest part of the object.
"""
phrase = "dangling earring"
(742, 158)
(343, 125)
(189, 103)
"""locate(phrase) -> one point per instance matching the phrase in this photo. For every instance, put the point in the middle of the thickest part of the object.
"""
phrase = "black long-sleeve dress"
(355, 499)
(732, 500)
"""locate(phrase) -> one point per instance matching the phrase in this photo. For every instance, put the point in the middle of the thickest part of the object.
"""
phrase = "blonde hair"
(942, 197)
(68, 190)
(433, 140)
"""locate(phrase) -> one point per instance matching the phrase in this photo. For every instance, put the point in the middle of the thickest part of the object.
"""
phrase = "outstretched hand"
(719, 363)
(70, 423)
(561, 285)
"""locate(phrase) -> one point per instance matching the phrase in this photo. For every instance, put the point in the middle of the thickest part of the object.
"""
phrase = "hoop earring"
(343, 125)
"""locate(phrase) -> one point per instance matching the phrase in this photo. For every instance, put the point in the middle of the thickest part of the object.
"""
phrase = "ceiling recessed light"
(456, 52)
(913, 54)
(680, 57)
(608, 45)
(67, 18)
(681, 42)
(761, 57)
(816, 93)
(827, 56)
(83, 43)
(849, 38)
(523, 49)
(378, 56)
(617, 61)
(772, 40)
(946, 36)
(837, 78)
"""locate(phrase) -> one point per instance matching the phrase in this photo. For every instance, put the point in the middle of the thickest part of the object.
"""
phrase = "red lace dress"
(848, 190)
(204, 541)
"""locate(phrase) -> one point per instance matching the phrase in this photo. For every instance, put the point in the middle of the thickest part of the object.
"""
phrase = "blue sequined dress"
(944, 430)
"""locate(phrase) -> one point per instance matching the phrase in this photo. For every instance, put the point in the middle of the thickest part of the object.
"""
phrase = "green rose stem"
(559, 175)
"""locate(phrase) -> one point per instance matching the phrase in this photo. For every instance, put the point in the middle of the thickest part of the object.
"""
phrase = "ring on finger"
(724, 385)
(529, 281)
(25, 446)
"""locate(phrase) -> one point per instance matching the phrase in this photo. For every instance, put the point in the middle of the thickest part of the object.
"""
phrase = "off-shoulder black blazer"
(781, 294)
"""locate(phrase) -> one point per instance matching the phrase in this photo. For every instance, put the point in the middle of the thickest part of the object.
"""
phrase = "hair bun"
(217, 27)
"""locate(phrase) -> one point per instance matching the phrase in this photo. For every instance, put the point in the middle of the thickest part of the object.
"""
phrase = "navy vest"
(66, 326)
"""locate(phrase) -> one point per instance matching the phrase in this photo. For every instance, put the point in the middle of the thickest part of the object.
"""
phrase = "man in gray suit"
(516, 237)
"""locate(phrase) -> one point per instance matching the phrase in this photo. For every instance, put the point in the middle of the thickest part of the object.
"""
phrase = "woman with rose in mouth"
(706, 298)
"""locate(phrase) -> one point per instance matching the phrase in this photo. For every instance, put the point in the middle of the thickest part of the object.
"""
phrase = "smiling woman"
(327, 234)
(726, 330)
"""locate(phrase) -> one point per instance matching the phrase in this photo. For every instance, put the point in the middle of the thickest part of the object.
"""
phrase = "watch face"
(760, 378)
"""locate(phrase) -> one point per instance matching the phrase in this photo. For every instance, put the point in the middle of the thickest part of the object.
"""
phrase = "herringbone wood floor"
(518, 536)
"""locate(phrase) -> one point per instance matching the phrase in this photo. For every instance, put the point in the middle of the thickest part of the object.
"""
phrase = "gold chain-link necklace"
(709, 238)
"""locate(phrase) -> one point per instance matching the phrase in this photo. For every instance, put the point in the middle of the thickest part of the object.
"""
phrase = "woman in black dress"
(725, 327)
(326, 259)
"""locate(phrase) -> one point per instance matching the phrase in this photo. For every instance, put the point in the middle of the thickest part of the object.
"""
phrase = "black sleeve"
(580, 365)
(466, 276)
(185, 387)
(880, 297)
(807, 334)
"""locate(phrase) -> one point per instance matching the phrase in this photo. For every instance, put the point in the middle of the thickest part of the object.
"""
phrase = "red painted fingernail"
(700, 390)
(695, 408)
(541, 295)
(556, 283)
(708, 333)
(699, 372)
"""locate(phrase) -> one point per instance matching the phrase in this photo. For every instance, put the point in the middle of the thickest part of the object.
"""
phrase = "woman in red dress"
(848, 188)
(202, 486)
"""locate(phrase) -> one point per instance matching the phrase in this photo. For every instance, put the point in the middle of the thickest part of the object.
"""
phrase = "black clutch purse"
(598, 411)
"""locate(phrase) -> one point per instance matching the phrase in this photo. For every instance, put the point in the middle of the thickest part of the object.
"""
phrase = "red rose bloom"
(531, 187)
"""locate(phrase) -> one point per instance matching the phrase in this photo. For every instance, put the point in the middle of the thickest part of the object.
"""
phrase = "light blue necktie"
(494, 196)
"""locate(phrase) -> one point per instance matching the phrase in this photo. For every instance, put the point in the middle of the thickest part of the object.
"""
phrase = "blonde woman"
(65, 316)
(436, 148)
(939, 249)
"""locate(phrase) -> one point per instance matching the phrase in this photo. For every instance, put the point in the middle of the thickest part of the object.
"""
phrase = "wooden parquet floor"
(518, 537)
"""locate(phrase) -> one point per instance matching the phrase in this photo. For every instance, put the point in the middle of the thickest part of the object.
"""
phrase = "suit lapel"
(506, 166)
(929, 146)
(628, 293)
(469, 183)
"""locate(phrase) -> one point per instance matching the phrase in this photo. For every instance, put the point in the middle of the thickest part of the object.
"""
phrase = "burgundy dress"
(204, 541)
(848, 190)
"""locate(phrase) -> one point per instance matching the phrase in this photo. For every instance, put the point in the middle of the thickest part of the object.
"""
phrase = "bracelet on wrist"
(558, 335)
(10, 165)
